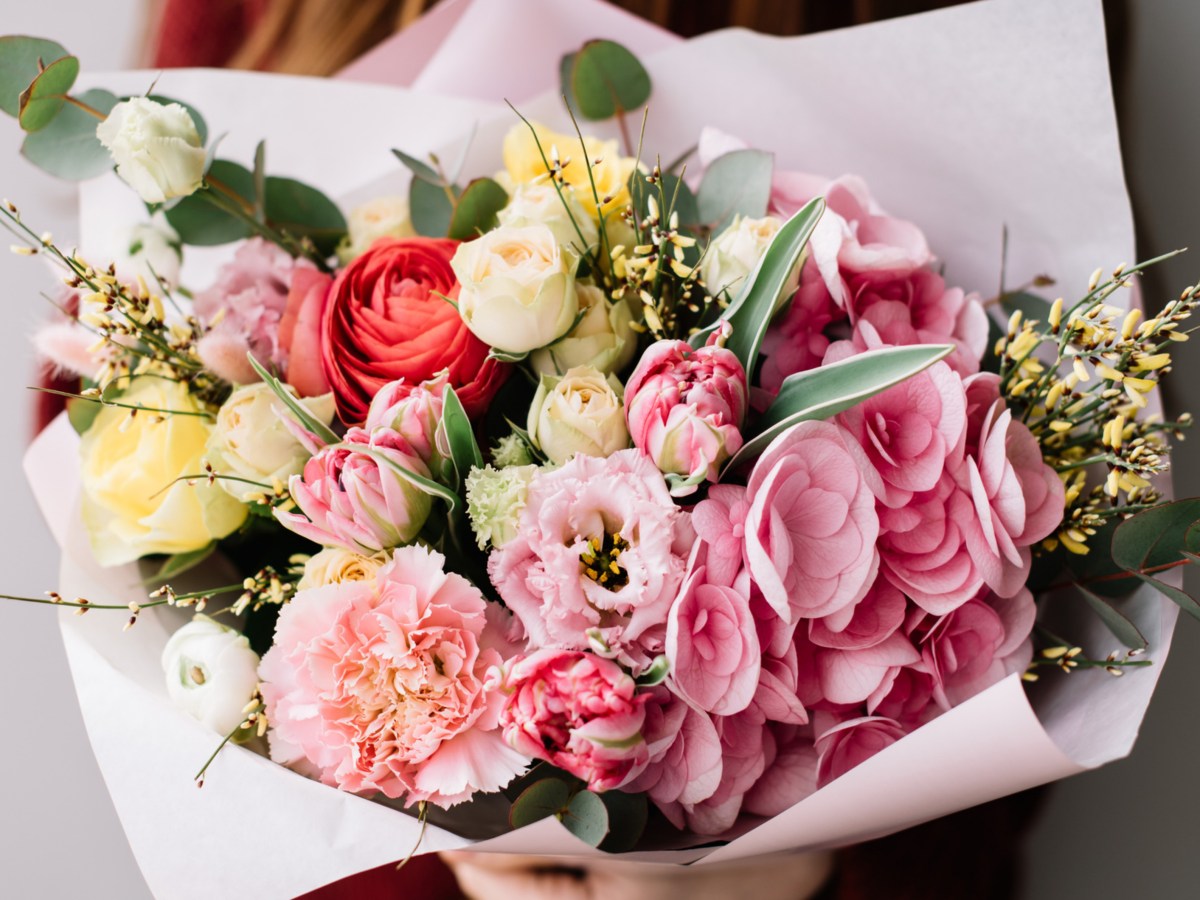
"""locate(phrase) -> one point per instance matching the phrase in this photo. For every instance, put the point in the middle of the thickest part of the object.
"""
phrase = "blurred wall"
(1129, 828)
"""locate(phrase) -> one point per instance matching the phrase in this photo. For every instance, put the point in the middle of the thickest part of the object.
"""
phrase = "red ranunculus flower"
(384, 320)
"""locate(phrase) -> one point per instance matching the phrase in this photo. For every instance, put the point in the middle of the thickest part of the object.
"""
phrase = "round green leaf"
(475, 212)
(19, 57)
(68, 146)
(430, 208)
(737, 183)
(41, 101)
(201, 223)
(627, 815)
(303, 211)
(547, 797)
(586, 817)
(606, 79)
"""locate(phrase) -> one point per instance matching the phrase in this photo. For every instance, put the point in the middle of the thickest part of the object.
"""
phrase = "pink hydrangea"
(350, 496)
(848, 743)
(685, 410)
(811, 527)
(579, 522)
(389, 686)
(250, 297)
(789, 777)
(579, 712)
(796, 341)
(684, 752)
(870, 621)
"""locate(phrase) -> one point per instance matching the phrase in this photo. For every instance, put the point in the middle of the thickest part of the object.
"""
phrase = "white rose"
(381, 217)
(540, 204)
(603, 339)
(495, 498)
(211, 673)
(334, 565)
(518, 288)
(732, 256)
(156, 147)
(578, 413)
(249, 439)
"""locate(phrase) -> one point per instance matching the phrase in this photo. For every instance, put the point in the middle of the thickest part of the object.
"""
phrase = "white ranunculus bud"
(539, 203)
(603, 339)
(156, 147)
(211, 673)
(150, 250)
(580, 412)
(518, 288)
(381, 217)
(495, 498)
(732, 256)
(251, 441)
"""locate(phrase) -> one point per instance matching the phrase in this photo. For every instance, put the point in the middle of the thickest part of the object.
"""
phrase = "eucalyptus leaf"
(540, 800)
(830, 389)
(46, 95)
(200, 222)
(421, 170)
(1159, 538)
(586, 817)
(475, 212)
(306, 419)
(430, 207)
(605, 79)
(1031, 306)
(1116, 621)
(303, 211)
(766, 288)
(737, 183)
(627, 816)
(68, 147)
(19, 56)
(460, 437)
(82, 413)
(565, 66)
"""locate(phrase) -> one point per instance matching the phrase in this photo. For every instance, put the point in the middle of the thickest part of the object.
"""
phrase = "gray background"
(1130, 828)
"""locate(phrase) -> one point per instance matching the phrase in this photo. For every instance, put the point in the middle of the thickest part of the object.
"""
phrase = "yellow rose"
(130, 506)
(610, 170)
(334, 566)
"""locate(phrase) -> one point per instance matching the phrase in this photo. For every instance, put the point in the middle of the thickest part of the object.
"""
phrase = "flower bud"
(732, 256)
(156, 147)
(578, 413)
(211, 673)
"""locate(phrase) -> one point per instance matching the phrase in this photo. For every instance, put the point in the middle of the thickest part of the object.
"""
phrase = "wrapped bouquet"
(580, 494)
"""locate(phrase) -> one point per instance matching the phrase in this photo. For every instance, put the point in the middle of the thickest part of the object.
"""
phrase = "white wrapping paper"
(962, 121)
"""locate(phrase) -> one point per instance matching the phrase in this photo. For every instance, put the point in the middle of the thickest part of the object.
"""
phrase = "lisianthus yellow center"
(600, 561)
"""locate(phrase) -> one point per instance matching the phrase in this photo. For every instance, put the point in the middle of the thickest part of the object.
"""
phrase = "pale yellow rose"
(735, 252)
(381, 217)
(603, 339)
(539, 203)
(518, 288)
(610, 170)
(580, 412)
(132, 504)
(334, 566)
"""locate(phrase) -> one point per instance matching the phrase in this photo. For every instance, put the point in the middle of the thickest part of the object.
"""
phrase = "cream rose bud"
(381, 217)
(156, 147)
(732, 256)
(580, 412)
(517, 288)
(250, 440)
(603, 338)
(334, 565)
(539, 203)
(211, 673)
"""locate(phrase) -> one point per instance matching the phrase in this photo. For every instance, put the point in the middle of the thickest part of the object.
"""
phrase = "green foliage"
(475, 212)
(547, 797)
(460, 438)
(202, 223)
(627, 815)
(303, 212)
(19, 66)
(306, 419)
(68, 147)
(1122, 627)
(45, 96)
(603, 79)
(179, 563)
(586, 817)
(1158, 539)
(431, 207)
(735, 184)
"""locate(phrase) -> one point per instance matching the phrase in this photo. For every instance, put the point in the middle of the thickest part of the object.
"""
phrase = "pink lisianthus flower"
(388, 686)
(579, 521)
(712, 646)
(412, 410)
(579, 712)
(352, 498)
(247, 303)
(684, 752)
(845, 745)
(685, 410)
(811, 527)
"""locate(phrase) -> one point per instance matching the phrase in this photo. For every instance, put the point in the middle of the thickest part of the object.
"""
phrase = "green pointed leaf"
(260, 182)
(544, 798)
(1153, 540)
(605, 79)
(586, 817)
(460, 437)
(421, 170)
(430, 208)
(201, 223)
(766, 288)
(82, 413)
(1122, 627)
(306, 419)
(1031, 306)
(46, 95)
(735, 184)
(19, 57)
(828, 390)
(419, 481)
(627, 815)
(303, 211)
(566, 65)
(68, 147)
(657, 673)
(475, 212)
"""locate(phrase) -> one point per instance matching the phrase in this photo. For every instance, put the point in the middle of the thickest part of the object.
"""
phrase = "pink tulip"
(412, 410)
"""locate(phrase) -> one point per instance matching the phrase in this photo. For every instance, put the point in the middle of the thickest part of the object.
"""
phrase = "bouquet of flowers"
(580, 487)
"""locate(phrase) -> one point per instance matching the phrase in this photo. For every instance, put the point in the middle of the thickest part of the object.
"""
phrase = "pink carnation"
(578, 522)
(389, 686)
(250, 295)
(685, 409)
(578, 712)
(811, 527)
